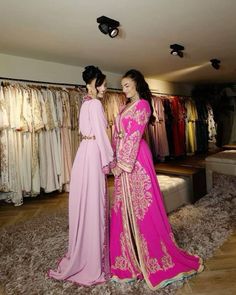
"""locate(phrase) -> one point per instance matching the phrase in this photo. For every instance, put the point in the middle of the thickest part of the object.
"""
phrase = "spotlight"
(215, 63)
(108, 26)
(177, 50)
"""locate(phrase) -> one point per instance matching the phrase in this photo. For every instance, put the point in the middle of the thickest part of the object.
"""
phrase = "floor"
(219, 277)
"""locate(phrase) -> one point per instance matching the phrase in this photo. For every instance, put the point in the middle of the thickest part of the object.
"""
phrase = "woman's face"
(101, 89)
(129, 87)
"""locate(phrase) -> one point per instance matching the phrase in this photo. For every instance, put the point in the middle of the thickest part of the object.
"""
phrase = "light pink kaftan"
(141, 240)
(87, 259)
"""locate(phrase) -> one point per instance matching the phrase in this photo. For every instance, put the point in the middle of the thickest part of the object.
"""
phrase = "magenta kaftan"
(141, 239)
(87, 259)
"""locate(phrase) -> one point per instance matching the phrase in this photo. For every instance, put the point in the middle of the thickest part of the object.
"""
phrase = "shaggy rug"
(29, 249)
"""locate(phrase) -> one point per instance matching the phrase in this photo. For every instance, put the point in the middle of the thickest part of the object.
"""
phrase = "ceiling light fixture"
(108, 26)
(215, 63)
(177, 50)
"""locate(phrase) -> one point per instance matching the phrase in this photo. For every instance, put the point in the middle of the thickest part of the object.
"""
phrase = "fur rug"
(29, 249)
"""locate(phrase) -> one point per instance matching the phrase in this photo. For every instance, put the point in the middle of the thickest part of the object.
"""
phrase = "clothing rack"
(78, 85)
(168, 94)
(51, 83)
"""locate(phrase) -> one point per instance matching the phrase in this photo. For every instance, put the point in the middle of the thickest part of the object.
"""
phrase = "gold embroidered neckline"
(129, 106)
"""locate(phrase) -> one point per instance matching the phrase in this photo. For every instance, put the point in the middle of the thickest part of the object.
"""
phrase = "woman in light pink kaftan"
(142, 244)
(87, 259)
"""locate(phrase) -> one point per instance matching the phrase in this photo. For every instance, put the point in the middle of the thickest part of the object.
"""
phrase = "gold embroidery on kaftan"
(166, 259)
(117, 198)
(151, 264)
(140, 184)
(140, 116)
(126, 157)
(123, 262)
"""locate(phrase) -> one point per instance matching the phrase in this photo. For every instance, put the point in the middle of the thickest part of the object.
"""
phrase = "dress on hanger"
(178, 126)
(190, 131)
(159, 143)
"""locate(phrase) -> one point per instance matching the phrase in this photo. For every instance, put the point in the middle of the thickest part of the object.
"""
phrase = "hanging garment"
(141, 239)
(76, 96)
(4, 151)
(178, 126)
(211, 124)
(26, 135)
(12, 147)
(112, 103)
(49, 146)
(168, 123)
(66, 140)
(201, 126)
(86, 261)
(190, 131)
(37, 126)
(158, 137)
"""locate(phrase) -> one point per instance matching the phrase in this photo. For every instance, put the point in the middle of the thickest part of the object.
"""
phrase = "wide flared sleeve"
(99, 126)
(132, 125)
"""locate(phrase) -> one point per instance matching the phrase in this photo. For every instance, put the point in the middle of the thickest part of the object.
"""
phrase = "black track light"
(108, 26)
(215, 63)
(177, 50)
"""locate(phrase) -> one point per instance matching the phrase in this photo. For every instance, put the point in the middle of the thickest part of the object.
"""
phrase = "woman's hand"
(116, 171)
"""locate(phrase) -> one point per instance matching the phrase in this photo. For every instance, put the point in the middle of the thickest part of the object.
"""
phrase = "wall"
(38, 70)
(170, 87)
(32, 69)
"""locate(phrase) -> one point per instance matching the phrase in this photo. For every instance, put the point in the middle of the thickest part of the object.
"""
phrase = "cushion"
(175, 190)
(170, 183)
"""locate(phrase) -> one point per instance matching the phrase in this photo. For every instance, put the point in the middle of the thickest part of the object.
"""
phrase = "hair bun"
(91, 72)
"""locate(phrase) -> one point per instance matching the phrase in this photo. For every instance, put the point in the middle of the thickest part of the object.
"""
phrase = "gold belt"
(87, 137)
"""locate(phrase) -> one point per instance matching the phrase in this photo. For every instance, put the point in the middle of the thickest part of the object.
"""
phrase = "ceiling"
(67, 32)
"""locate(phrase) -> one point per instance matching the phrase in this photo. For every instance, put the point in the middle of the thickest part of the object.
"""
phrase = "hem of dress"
(179, 277)
(75, 283)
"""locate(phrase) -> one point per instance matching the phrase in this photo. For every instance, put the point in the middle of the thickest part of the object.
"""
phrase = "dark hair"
(90, 73)
(142, 89)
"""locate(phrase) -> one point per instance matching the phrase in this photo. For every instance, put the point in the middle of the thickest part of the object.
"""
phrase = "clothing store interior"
(186, 53)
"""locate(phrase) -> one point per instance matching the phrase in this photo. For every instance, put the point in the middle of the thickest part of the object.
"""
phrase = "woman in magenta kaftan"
(87, 259)
(141, 240)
